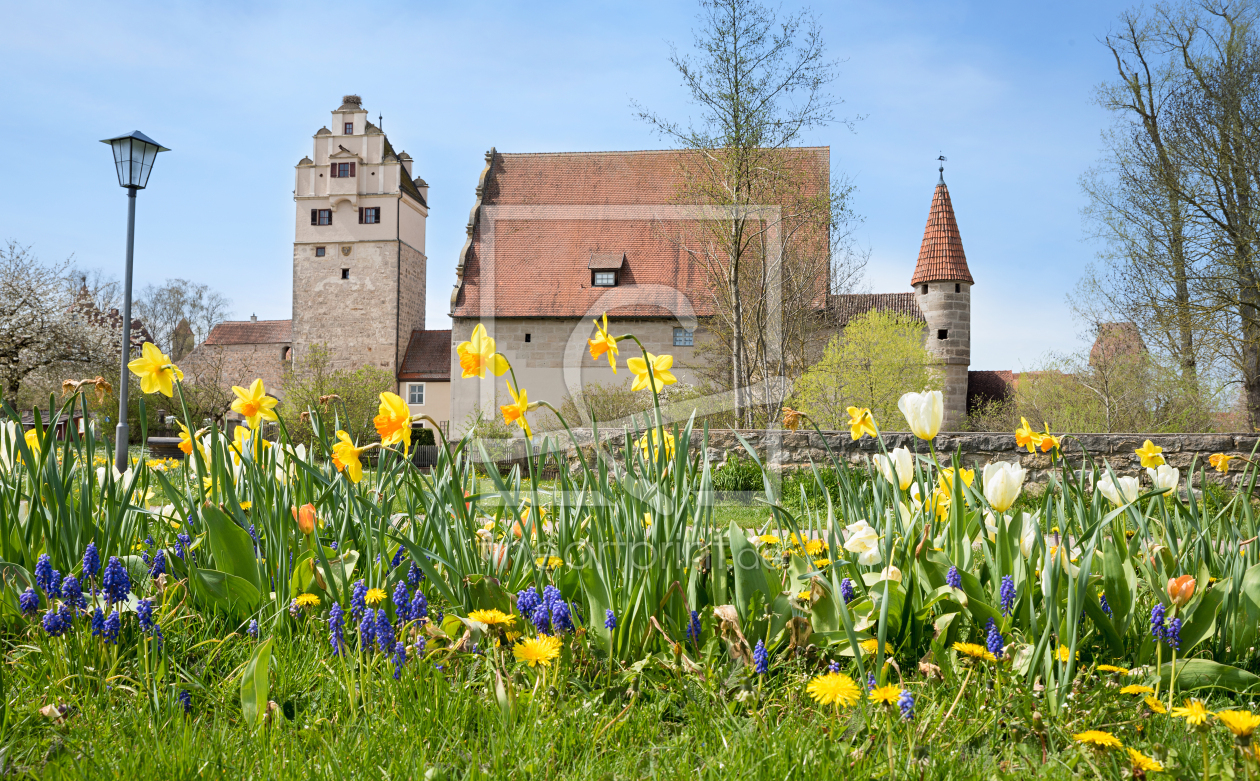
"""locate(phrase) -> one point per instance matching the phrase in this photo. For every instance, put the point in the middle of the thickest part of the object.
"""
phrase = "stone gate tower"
(358, 248)
(942, 289)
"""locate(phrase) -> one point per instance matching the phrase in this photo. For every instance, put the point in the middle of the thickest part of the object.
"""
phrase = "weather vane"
(942, 160)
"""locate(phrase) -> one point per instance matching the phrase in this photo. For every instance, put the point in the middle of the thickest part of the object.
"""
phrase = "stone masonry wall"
(791, 450)
(356, 317)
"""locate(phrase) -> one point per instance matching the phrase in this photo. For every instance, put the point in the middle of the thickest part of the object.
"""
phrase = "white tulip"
(1164, 476)
(1028, 535)
(1002, 483)
(1122, 490)
(923, 412)
(124, 478)
(990, 526)
(897, 467)
(8, 441)
(863, 541)
(890, 573)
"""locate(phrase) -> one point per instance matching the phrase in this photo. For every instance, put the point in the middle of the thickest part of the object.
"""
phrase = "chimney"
(253, 318)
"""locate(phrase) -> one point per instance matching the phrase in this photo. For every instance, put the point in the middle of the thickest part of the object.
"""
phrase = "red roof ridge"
(625, 152)
(941, 255)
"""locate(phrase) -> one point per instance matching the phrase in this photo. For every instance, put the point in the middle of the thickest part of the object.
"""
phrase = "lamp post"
(134, 154)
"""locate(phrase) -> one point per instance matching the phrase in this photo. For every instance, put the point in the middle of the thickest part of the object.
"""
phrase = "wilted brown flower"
(325, 400)
(305, 417)
(792, 418)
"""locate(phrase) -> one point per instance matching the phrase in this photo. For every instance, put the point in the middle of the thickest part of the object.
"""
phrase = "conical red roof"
(941, 257)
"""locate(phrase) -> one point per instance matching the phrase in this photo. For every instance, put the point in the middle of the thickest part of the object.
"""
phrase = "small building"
(424, 379)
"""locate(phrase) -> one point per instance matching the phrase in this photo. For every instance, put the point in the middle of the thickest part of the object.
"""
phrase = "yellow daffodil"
(1047, 441)
(1140, 761)
(515, 412)
(603, 344)
(946, 479)
(1149, 452)
(792, 418)
(254, 404)
(477, 355)
(31, 438)
(834, 689)
(393, 421)
(653, 451)
(661, 375)
(861, 423)
(346, 457)
(543, 650)
(1220, 462)
(1026, 437)
(156, 372)
(1194, 712)
(1097, 738)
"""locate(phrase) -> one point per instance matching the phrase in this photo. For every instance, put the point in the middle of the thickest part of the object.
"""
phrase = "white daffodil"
(897, 467)
(1122, 490)
(1002, 483)
(863, 541)
(1164, 476)
(924, 412)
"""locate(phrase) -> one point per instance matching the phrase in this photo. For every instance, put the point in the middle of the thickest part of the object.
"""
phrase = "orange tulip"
(1180, 590)
(305, 518)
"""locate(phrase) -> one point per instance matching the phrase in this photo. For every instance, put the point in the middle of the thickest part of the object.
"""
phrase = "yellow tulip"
(515, 412)
(254, 404)
(155, 370)
(661, 375)
(861, 423)
(346, 457)
(393, 421)
(604, 344)
(1149, 452)
(477, 355)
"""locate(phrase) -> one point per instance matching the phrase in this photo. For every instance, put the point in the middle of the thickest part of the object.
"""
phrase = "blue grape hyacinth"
(144, 612)
(610, 620)
(384, 631)
(414, 575)
(367, 630)
(54, 623)
(98, 623)
(91, 561)
(1173, 635)
(72, 593)
(953, 578)
(994, 642)
(1006, 594)
(419, 606)
(834, 667)
(402, 603)
(185, 699)
(358, 599)
(847, 591)
(115, 582)
(400, 658)
(761, 659)
(693, 628)
(1157, 621)
(44, 574)
(336, 628)
(1102, 602)
(252, 629)
(113, 623)
(561, 617)
(28, 601)
(159, 564)
(906, 703)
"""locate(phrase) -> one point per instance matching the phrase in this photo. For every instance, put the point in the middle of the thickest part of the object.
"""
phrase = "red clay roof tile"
(428, 357)
(941, 256)
(251, 332)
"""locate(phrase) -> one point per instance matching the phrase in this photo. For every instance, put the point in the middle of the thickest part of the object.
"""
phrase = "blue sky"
(236, 90)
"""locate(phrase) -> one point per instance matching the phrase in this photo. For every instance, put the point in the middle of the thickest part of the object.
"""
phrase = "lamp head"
(134, 154)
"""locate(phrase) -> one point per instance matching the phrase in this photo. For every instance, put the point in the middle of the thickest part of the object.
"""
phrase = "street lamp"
(134, 154)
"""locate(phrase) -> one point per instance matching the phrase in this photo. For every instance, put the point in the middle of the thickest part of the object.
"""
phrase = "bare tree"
(760, 83)
(163, 307)
(41, 325)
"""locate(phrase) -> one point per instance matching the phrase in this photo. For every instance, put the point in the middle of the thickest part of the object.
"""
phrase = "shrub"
(357, 396)
(737, 474)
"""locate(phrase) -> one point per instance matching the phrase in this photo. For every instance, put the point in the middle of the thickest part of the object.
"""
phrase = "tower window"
(349, 128)
(923, 290)
(320, 252)
(341, 170)
(369, 215)
(605, 278)
(684, 338)
(321, 216)
(345, 274)
(942, 333)
(957, 287)
(527, 338)
(415, 393)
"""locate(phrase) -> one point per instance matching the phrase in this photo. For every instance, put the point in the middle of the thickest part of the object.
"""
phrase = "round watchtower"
(942, 289)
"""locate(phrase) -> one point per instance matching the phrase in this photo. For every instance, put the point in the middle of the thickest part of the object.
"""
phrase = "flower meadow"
(264, 608)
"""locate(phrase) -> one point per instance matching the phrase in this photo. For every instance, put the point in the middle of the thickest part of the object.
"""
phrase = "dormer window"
(349, 128)
(342, 170)
(604, 279)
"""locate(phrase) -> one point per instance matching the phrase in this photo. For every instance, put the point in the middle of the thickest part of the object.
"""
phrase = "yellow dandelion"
(536, 650)
(975, 651)
(834, 688)
(1111, 668)
(1097, 738)
(814, 547)
(769, 539)
(374, 596)
(1155, 705)
(1133, 688)
(1194, 712)
(886, 694)
(550, 562)
(308, 600)
(870, 646)
(1064, 653)
(804, 595)
(822, 563)
(1240, 722)
(1146, 764)
(493, 617)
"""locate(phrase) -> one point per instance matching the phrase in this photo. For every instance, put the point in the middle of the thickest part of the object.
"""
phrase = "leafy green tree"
(875, 359)
(352, 396)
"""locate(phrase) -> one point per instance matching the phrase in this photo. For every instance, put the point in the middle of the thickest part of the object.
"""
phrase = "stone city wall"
(795, 449)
